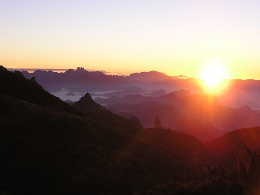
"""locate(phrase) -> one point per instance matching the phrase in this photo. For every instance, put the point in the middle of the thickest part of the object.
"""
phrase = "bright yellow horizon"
(130, 67)
(176, 38)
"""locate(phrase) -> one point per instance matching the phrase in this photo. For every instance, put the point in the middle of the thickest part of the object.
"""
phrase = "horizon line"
(62, 70)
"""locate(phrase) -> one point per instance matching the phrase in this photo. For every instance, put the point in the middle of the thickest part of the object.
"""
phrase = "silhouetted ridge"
(235, 141)
(33, 80)
(16, 85)
(18, 73)
(91, 109)
(149, 76)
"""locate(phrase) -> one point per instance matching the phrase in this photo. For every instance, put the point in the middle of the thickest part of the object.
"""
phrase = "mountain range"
(82, 80)
(239, 92)
(50, 147)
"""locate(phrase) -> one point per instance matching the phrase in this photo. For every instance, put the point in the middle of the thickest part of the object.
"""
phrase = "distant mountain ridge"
(54, 81)
(82, 80)
(149, 76)
(240, 92)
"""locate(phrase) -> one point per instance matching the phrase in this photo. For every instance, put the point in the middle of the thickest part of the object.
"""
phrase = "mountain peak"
(18, 73)
(87, 105)
(86, 97)
(33, 80)
(80, 69)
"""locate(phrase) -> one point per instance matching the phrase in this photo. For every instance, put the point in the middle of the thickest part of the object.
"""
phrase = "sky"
(177, 37)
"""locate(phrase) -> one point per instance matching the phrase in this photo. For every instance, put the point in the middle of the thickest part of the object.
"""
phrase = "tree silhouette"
(221, 169)
(253, 174)
(157, 123)
(242, 169)
(248, 151)
(201, 171)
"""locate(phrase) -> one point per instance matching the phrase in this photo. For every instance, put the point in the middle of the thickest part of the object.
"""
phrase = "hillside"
(61, 153)
(16, 85)
(232, 144)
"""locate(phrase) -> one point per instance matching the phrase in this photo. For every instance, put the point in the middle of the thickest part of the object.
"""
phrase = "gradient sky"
(170, 36)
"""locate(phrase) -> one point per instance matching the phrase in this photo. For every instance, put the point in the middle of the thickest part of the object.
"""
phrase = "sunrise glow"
(214, 76)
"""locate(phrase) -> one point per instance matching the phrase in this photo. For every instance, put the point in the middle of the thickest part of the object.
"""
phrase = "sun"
(214, 76)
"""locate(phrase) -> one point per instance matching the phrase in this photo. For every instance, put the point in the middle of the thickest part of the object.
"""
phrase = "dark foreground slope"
(232, 168)
(44, 151)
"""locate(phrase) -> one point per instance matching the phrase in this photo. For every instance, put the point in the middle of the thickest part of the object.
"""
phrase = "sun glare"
(214, 76)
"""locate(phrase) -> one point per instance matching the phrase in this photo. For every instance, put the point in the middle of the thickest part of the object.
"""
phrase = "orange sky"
(174, 37)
